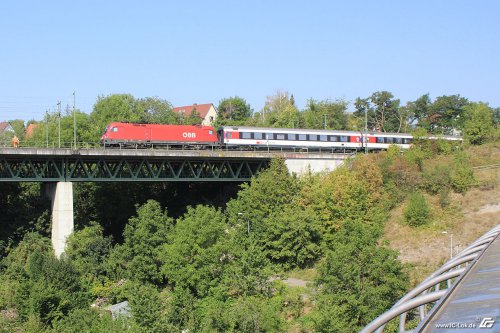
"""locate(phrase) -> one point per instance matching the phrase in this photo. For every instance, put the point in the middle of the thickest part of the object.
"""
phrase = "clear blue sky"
(202, 51)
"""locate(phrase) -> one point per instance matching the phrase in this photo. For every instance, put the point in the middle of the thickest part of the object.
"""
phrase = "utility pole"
(59, 117)
(366, 131)
(47, 127)
(324, 122)
(74, 119)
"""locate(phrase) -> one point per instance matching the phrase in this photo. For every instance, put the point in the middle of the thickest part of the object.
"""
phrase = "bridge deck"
(168, 153)
(60, 164)
(474, 300)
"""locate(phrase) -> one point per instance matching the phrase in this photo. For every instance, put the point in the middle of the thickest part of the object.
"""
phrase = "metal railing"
(428, 293)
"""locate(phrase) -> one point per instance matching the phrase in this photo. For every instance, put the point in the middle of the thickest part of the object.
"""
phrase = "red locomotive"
(148, 135)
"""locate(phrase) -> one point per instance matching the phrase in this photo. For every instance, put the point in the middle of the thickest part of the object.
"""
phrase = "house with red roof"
(207, 112)
(30, 129)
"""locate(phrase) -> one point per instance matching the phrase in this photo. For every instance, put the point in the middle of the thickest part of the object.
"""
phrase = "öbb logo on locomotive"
(189, 135)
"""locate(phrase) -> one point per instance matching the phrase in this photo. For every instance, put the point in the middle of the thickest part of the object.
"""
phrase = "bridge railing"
(428, 293)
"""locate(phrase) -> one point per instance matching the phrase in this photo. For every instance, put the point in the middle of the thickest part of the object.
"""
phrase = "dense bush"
(462, 177)
(417, 210)
(357, 281)
(437, 178)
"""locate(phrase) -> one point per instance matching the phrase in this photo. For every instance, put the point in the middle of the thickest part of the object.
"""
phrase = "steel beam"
(127, 168)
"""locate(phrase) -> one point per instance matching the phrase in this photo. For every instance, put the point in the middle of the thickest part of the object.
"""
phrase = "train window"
(114, 129)
(210, 132)
(257, 136)
(280, 136)
(323, 138)
(246, 135)
(313, 137)
(229, 135)
(344, 138)
(302, 137)
(269, 136)
(292, 136)
(334, 138)
(380, 140)
(408, 140)
(398, 140)
(389, 140)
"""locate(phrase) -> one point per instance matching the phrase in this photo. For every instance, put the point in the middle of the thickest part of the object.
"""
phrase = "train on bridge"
(118, 134)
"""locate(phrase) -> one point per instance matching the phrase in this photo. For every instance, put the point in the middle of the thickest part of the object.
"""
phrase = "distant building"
(207, 112)
(119, 309)
(5, 127)
(29, 130)
(6, 133)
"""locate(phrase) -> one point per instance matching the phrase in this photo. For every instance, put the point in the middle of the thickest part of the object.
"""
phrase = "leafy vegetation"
(417, 211)
(207, 258)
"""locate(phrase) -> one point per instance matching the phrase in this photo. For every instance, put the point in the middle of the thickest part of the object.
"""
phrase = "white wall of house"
(210, 117)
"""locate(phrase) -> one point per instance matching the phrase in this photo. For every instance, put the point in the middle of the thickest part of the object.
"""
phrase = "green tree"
(462, 175)
(447, 114)
(279, 111)
(383, 111)
(47, 288)
(91, 321)
(191, 258)
(233, 110)
(326, 114)
(138, 258)
(88, 249)
(265, 194)
(419, 111)
(154, 110)
(18, 127)
(339, 197)
(478, 126)
(116, 107)
(255, 315)
(248, 269)
(357, 281)
(292, 237)
(417, 210)
(147, 309)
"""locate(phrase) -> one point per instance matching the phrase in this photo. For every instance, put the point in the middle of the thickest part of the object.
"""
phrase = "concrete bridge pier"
(302, 166)
(61, 196)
